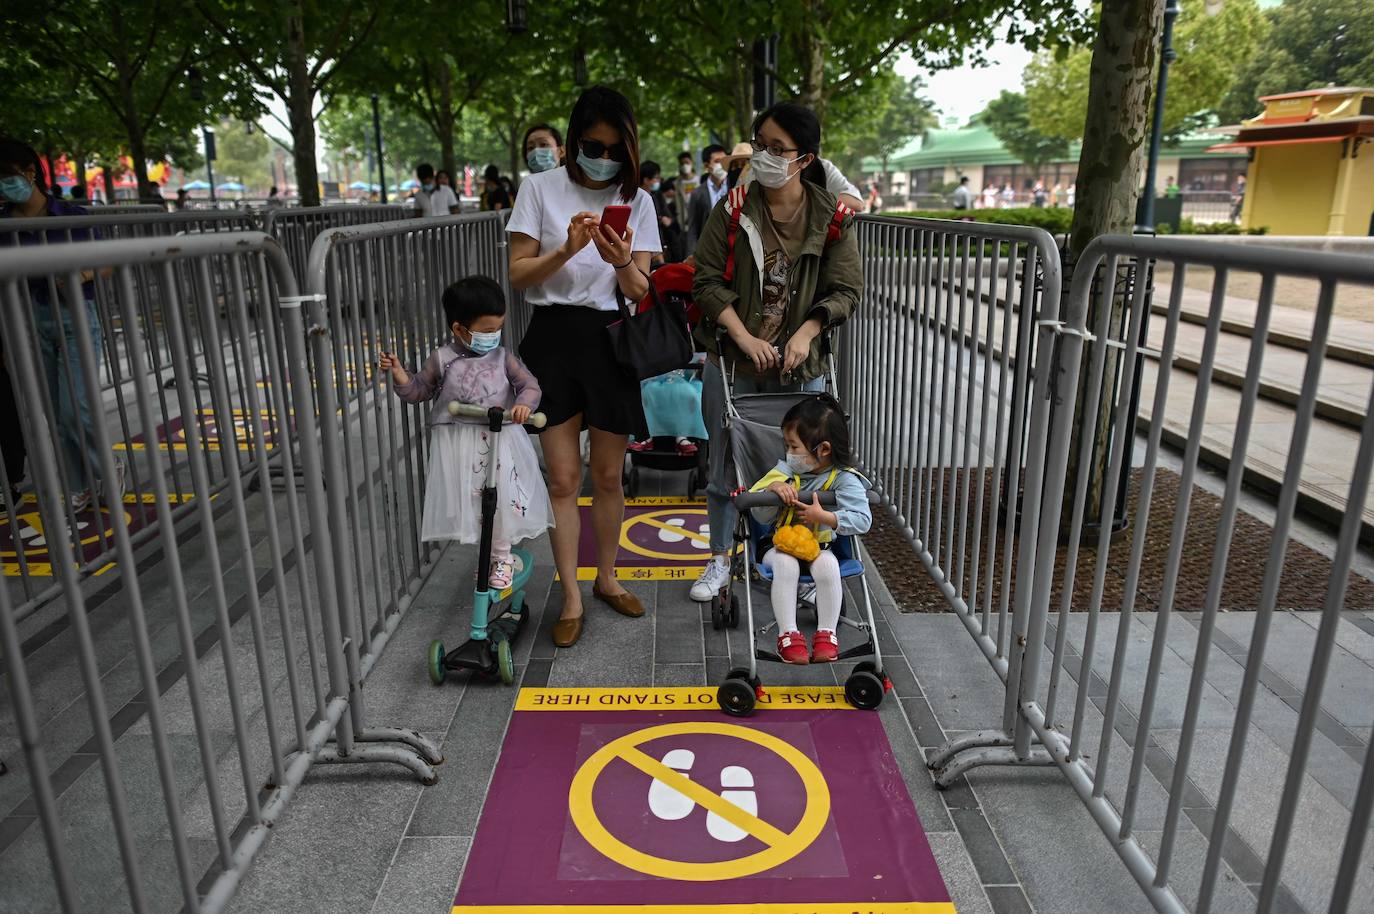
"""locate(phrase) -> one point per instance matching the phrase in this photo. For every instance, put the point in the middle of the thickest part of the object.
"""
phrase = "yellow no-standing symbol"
(781, 846)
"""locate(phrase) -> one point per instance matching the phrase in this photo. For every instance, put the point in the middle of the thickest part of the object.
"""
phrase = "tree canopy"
(1008, 117)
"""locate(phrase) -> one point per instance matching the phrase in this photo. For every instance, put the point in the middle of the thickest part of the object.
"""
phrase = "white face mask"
(770, 170)
(718, 171)
(799, 463)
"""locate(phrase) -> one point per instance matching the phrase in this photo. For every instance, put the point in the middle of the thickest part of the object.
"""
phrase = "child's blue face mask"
(799, 463)
(482, 343)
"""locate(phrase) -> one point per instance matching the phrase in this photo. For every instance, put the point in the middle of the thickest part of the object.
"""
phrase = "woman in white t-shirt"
(571, 269)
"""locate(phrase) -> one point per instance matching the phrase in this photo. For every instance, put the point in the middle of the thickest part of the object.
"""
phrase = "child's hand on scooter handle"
(389, 362)
(520, 414)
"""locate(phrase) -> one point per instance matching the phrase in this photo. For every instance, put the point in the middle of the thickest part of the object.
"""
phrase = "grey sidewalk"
(1006, 840)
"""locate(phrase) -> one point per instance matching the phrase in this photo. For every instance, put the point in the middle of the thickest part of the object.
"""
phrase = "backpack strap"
(832, 233)
(735, 201)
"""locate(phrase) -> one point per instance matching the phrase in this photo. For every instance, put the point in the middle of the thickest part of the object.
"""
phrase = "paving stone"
(962, 689)
(919, 783)
(423, 876)
(679, 674)
(1007, 899)
(1190, 852)
(961, 880)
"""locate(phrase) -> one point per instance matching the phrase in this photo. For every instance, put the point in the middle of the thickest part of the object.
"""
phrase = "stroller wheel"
(864, 690)
(435, 657)
(732, 617)
(692, 483)
(866, 666)
(736, 697)
(717, 614)
(632, 483)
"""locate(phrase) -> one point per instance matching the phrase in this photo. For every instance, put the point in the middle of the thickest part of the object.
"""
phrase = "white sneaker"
(713, 577)
(80, 502)
(114, 494)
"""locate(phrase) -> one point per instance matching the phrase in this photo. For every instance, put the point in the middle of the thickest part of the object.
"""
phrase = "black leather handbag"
(653, 341)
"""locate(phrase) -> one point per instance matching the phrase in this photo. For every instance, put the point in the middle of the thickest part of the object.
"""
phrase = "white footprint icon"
(672, 536)
(733, 776)
(664, 801)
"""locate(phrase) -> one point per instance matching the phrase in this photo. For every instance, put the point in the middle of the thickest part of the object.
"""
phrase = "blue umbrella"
(410, 185)
(196, 185)
(359, 185)
(231, 186)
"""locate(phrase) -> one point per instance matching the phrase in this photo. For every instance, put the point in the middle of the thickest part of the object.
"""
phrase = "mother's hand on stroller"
(762, 354)
(799, 345)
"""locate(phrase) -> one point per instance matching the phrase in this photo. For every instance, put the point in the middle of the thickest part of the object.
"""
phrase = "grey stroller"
(754, 440)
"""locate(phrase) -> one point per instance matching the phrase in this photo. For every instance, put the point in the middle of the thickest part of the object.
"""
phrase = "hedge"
(1057, 219)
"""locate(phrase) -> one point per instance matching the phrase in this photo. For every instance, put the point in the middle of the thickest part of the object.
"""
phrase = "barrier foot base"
(986, 747)
(412, 738)
(398, 755)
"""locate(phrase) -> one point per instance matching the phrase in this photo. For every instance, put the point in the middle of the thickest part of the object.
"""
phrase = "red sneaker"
(640, 447)
(825, 647)
(792, 647)
(686, 448)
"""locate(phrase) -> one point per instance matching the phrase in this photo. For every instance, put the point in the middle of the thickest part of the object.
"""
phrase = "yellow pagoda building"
(1311, 166)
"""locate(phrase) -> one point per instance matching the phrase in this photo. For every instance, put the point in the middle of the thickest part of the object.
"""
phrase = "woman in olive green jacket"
(792, 278)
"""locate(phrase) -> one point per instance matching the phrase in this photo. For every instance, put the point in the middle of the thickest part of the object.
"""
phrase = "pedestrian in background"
(543, 147)
(963, 195)
(710, 192)
(495, 194)
(432, 200)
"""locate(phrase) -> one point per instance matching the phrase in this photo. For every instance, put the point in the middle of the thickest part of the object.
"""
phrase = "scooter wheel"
(505, 664)
(732, 617)
(736, 697)
(437, 671)
(864, 690)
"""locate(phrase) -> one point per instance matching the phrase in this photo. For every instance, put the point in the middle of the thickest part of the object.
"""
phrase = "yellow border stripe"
(698, 698)
(867, 907)
(709, 799)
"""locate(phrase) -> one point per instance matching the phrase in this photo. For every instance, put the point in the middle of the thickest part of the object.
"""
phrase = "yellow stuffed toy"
(797, 541)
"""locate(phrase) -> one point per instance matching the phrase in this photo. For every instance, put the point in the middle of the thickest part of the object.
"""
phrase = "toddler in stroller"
(808, 509)
(672, 401)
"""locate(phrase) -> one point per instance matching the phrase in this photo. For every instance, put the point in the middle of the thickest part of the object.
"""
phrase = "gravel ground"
(1302, 586)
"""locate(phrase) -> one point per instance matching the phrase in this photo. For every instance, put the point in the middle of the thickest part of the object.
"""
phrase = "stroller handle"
(472, 411)
(746, 500)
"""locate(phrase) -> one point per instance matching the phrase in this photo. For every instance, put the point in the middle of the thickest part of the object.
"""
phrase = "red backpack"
(736, 203)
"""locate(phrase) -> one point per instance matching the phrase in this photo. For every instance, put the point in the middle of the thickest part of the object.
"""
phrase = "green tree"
(133, 58)
(295, 49)
(1008, 117)
(1213, 50)
(883, 125)
(242, 156)
(347, 127)
(1309, 44)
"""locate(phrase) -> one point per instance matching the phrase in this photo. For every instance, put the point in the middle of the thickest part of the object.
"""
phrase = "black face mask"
(732, 176)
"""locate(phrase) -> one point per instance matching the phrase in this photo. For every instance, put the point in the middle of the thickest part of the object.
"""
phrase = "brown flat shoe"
(627, 604)
(567, 631)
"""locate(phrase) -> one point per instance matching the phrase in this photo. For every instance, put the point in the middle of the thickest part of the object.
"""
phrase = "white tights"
(825, 571)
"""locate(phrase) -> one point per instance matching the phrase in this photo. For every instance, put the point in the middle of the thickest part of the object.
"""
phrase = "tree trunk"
(300, 110)
(811, 56)
(78, 163)
(743, 101)
(107, 173)
(133, 126)
(513, 145)
(444, 78)
(1114, 138)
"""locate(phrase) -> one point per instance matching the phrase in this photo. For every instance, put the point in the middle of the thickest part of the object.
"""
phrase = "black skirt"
(568, 350)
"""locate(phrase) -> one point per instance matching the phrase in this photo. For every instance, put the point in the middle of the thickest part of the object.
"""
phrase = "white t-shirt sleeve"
(644, 220)
(527, 214)
(446, 202)
(836, 182)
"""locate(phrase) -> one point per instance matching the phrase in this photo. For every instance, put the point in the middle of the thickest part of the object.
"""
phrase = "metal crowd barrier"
(1111, 733)
(940, 401)
(151, 704)
(375, 288)
(297, 227)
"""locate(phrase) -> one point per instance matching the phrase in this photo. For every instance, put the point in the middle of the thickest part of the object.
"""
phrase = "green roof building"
(928, 166)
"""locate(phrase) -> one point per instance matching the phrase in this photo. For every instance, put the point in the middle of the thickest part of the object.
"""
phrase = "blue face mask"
(799, 463)
(482, 343)
(541, 158)
(598, 169)
(16, 189)
(428, 186)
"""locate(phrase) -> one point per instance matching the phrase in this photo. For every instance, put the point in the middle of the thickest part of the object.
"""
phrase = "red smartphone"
(617, 219)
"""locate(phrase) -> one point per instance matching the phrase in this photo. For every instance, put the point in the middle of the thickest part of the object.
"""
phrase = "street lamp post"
(377, 135)
(210, 158)
(1145, 210)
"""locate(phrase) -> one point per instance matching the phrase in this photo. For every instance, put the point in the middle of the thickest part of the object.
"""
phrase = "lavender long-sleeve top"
(454, 372)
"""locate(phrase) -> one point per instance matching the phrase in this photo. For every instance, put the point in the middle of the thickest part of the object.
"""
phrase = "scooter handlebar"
(472, 411)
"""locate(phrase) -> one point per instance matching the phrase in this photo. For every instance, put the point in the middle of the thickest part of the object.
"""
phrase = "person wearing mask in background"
(674, 238)
(791, 280)
(1039, 195)
(273, 200)
(182, 196)
(687, 183)
(963, 195)
(737, 165)
(495, 196)
(651, 179)
(573, 271)
(543, 148)
(24, 194)
(432, 199)
(711, 191)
